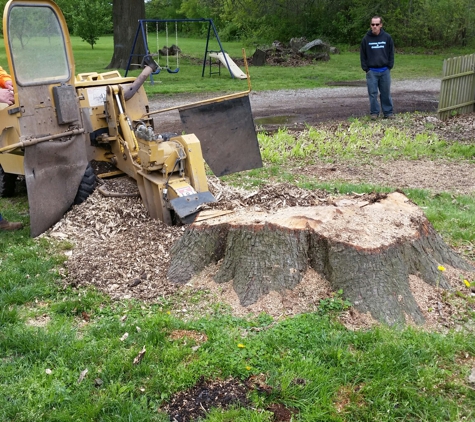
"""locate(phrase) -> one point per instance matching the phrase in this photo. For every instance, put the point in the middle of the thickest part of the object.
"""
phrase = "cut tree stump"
(367, 248)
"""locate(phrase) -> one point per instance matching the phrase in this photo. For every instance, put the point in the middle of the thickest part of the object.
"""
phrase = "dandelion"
(241, 346)
(441, 268)
(467, 283)
(248, 368)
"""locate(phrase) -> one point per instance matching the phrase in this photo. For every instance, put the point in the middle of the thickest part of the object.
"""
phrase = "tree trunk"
(366, 248)
(125, 16)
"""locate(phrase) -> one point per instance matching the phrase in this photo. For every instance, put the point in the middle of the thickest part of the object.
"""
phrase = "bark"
(366, 249)
(125, 17)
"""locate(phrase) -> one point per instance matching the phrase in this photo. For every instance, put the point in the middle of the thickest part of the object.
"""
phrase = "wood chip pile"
(120, 250)
(118, 247)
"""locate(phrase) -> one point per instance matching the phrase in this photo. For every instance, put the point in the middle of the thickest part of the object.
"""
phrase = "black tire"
(7, 183)
(87, 186)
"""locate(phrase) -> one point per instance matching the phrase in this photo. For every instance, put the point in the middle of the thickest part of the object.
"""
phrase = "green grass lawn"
(51, 334)
(342, 67)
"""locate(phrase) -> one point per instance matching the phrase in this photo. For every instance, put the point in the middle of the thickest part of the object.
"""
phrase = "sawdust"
(304, 298)
(39, 321)
(444, 310)
(195, 336)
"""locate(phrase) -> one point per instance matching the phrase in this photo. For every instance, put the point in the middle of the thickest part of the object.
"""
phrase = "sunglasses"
(375, 24)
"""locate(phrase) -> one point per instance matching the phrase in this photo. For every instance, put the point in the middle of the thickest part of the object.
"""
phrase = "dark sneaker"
(7, 226)
(390, 116)
(374, 116)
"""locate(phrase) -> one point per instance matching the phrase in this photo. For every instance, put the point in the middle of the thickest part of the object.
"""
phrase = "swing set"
(142, 29)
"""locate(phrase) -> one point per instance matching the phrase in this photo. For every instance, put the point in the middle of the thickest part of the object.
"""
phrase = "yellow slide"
(233, 67)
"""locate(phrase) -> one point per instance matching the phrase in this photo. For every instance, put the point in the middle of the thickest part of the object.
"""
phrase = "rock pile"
(298, 52)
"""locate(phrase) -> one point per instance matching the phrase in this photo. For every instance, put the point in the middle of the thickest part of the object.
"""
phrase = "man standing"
(377, 60)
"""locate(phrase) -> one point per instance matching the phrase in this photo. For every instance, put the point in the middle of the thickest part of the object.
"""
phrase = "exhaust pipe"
(150, 67)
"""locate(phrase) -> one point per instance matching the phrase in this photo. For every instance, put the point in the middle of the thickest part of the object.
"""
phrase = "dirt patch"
(39, 321)
(185, 335)
(436, 176)
(194, 403)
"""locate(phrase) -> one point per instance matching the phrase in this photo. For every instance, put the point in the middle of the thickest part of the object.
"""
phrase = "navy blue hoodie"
(377, 51)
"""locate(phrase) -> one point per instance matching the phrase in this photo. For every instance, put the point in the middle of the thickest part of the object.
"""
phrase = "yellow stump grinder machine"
(60, 122)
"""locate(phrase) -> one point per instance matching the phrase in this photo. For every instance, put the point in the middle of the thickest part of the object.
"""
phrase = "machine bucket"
(227, 134)
(53, 173)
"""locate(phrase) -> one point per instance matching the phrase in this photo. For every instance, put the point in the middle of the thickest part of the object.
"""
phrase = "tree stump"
(367, 248)
(259, 58)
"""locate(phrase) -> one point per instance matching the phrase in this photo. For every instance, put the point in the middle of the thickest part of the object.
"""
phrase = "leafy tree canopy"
(412, 23)
(92, 19)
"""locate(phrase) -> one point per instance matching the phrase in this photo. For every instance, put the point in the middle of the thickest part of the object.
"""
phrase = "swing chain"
(176, 44)
(167, 47)
(176, 48)
(157, 45)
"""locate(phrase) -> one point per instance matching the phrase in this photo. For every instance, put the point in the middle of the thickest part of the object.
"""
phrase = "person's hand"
(8, 85)
(6, 96)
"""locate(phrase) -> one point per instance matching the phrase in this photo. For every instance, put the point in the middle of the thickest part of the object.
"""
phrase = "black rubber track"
(7, 183)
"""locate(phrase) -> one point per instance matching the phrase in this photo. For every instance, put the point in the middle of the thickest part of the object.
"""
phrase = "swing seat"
(156, 72)
(173, 71)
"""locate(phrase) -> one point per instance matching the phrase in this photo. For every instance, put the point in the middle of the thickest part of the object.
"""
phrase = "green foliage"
(360, 141)
(334, 304)
(434, 24)
(164, 9)
(91, 19)
(412, 23)
(452, 215)
(2, 6)
(68, 8)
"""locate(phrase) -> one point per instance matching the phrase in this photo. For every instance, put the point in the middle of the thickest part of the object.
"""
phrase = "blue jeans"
(379, 81)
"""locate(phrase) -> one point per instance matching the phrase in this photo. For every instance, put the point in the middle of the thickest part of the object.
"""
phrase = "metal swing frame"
(141, 30)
